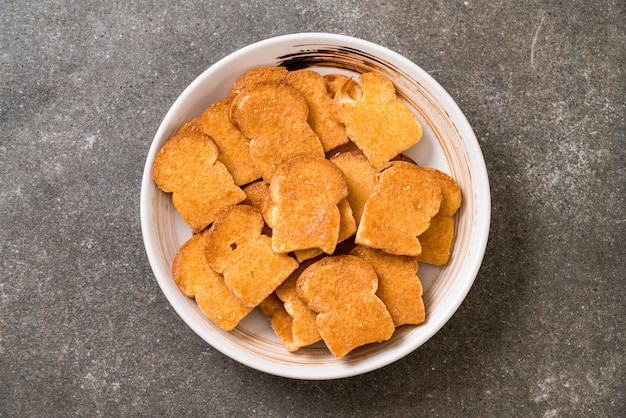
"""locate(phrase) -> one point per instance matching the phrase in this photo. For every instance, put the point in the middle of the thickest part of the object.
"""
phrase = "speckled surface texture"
(84, 327)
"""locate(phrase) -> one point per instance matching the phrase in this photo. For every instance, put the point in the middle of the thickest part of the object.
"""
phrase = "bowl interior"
(448, 143)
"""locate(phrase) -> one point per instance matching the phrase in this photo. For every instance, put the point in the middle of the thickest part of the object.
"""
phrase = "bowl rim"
(479, 177)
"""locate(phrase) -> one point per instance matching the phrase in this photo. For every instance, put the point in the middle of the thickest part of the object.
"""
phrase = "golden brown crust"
(406, 198)
(201, 186)
(274, 117)
(303, 328)
(361, 178)
(197, 279)
(379, 123)
(236, 248)
(281, 322)
(233, 146)
(258, 75)
(305, 192)
(347, 228)
(451, 193)
(437, 239)
(341, 289)
(322, 111)
(398, 285)
(258, 196)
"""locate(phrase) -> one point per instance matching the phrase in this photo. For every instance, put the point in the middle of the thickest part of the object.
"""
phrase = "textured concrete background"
(84, 327)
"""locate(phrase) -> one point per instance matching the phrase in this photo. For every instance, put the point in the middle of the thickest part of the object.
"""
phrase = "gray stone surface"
(84, 327)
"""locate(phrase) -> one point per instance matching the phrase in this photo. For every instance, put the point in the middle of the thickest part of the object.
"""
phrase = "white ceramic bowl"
(448, 143)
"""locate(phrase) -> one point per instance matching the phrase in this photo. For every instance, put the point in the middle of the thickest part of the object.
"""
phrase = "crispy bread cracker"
(258, 75)
(233, 146)
(347, 228)
(304, 328)
(305, 192)
(201, 186)
(361, 178)
(291, 320)
(379, 123)
(197, 279)
(258, 196)
(398, 285)
(451, 193)
(341, 289)
(406, 198)
(437, 239)
(280, 320)
(322, 111)
(274, 117)
(236, 248)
